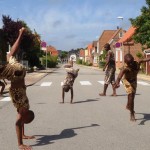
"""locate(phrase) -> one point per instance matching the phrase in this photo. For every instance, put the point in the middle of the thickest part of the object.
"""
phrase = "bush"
(79, 61)
(102, 64)
(51, 61)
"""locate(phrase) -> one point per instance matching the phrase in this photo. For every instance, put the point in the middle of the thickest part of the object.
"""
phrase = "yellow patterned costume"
(9, 72)
(130, 77)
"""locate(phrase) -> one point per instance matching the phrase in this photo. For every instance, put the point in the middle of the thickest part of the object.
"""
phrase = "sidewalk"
(140, 75)
(32, 77)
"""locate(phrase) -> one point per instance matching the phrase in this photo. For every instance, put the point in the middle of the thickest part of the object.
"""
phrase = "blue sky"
(68, 24)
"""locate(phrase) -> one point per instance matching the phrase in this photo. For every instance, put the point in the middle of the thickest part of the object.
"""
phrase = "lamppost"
(121, 18)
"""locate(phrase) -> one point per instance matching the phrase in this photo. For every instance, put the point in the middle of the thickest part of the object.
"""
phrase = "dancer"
(68, 82)
(15, 72)
(129, 75)
(110, 68)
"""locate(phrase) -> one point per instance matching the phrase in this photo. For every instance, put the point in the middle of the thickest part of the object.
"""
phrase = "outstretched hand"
(116, 85)
(22, 30)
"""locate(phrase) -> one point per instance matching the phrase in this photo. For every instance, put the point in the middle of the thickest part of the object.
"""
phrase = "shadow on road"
(144, 119)
(125, 94)
(85, 101)
(66, 133)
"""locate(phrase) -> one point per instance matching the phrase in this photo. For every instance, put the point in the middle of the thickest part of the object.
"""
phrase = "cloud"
(71, 36)
(57, 23)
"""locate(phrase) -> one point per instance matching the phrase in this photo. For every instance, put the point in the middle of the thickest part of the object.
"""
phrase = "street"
(90, 123)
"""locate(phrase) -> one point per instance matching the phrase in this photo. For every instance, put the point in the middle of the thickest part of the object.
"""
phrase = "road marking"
(143, 83)
(6, 99)
(85, 83)
(62, 83)
(101, 82)
(46, 84)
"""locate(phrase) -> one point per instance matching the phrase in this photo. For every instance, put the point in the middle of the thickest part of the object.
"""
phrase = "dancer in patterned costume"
(128, 74)
(15, 72)
(109, 68)
(68, 82)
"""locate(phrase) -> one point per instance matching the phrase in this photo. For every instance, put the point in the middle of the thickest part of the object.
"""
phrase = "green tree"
(142, 24)
(30, 45)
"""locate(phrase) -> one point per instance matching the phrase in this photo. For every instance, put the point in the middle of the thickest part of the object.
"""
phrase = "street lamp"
(122, 52)
(121, 18)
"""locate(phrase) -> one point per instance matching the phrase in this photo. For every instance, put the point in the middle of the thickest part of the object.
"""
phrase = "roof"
(127, 35)
(94, 43)
(105, 37)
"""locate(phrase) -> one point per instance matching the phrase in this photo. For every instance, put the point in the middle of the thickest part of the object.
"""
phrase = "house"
(86, 55)
(52, 50)
(111, 37)
(127, 45)
(82, 54)
(89, 56)
(147, 53)
(105, 38)
(95, 53)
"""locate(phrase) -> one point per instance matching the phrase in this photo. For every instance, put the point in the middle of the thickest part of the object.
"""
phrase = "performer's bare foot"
(102, 94)
(113, 94)
(132, 117)
(25, 147)
(28, 137)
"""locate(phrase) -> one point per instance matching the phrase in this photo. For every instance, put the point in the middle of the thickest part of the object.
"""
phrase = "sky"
(71, 24)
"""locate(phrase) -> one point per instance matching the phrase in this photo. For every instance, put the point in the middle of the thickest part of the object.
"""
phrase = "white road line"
(101, 82)
(6, 99)
(143, 83)
(61, 83)
(46, 84)
(85, 83)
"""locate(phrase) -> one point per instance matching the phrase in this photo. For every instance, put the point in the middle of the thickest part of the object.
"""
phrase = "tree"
(30, 44)
(142, 24)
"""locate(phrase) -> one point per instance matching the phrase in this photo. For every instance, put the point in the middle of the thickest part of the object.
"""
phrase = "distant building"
(52, 50)
(127, 45)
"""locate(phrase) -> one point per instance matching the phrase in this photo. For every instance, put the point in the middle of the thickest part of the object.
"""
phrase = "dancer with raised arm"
(128, 74)
(15, 72)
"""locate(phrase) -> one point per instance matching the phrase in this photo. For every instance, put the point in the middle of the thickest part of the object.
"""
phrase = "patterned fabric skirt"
(130, 87)
(110, 76)
(19, 97)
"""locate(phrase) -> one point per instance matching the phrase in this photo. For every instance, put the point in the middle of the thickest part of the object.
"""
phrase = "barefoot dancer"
(110, 68)
(15, 72)
(129, 75)
(68, 82)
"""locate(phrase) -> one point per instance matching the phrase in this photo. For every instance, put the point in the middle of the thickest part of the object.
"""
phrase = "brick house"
(105, 38)
(89, 57)
(52, 50)
(147, 53)
(127, 45)
(82, 54)
(95, 53)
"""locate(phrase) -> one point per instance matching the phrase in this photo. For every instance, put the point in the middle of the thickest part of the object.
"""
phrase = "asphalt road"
(91, 123)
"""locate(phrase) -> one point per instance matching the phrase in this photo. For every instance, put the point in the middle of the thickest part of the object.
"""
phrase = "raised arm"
(15, 46)
(144, 60)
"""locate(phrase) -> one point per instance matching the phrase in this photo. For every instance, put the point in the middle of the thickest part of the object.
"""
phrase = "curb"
(140, 76)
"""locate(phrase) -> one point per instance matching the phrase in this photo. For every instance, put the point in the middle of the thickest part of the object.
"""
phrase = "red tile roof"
(105, 37)
(52, 50)
(127, 35)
